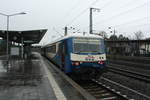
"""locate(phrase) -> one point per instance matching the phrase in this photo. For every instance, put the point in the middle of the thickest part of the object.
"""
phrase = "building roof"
(29, 36)
(127, 41)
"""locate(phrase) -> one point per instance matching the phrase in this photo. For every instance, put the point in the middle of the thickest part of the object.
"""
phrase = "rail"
(124, 87)
(132, 74)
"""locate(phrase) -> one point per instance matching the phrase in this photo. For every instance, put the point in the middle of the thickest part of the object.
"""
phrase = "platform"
(33, 79)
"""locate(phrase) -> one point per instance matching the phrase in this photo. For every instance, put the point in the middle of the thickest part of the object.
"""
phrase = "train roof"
(75, 35)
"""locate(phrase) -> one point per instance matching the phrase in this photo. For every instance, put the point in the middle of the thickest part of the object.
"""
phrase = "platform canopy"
(29, 36)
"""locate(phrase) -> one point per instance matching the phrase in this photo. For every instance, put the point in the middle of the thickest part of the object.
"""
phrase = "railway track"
(131, 64)
(101, 91)
(94, 90)
(132, 59)
(132, 74)
(126, 90)
(105, 89)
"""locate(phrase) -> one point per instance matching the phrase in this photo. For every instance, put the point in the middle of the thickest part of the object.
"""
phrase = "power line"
(81, 13)
(127, 12)
(106, 5)
(109, 2)
(127, 4)
(72, 8)
(136, 20)
(57, 31)
(143, 24)
(147, 17)
(123, 13)
(138, 25)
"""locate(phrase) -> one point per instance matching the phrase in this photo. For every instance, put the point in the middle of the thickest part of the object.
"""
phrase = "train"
(82, 56)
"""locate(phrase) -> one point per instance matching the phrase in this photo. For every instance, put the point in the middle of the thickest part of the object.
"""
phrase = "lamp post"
(8, 16)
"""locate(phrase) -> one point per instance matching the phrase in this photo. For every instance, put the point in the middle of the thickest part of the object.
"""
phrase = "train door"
(62, 54)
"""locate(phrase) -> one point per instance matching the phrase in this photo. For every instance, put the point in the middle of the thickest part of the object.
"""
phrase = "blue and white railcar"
(78, 54)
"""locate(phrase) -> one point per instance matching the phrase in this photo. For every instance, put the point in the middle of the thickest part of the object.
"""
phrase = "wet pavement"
(23, 80)
(29, 80)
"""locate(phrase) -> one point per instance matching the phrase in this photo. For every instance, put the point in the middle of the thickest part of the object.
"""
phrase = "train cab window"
(88, 45)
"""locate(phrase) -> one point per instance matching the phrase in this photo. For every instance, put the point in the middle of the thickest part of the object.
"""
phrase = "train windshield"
(88, 45)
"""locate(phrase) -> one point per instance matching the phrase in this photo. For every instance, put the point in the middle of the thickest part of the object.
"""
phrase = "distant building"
(128, 47)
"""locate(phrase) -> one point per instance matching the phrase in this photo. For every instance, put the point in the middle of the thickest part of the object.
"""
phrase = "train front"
(88, 56)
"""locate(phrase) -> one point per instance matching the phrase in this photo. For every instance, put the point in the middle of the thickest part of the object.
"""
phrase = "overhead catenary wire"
(143, 24)
(82, 12)
(72, 9)
(107, 3)
(136, 20)
(122, 13)
(114, 15)
(125, 5)
(126, 23)
(57, 32)
(135, 29)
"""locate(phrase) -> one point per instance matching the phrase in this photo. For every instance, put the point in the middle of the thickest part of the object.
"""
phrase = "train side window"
(60, 48)
(52, 49)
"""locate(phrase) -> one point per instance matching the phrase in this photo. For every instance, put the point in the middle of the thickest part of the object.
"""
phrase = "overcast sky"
(125, 16)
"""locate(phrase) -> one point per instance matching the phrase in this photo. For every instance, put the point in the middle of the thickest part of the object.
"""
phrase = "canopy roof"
(29, 36)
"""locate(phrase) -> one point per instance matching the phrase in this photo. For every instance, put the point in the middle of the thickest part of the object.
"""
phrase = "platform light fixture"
(8, 16)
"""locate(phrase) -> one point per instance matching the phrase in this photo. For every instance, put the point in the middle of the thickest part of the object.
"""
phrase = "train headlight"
(76, 63)
(101, 62)
(81, 62)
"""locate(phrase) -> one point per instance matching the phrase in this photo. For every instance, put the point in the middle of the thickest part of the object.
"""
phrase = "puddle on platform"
(3, 65)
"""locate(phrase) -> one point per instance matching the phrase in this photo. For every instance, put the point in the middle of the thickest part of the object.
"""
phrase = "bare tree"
(121, 37)
(103, 34)
(113, 37)
(138, 35)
